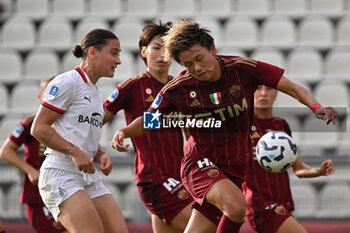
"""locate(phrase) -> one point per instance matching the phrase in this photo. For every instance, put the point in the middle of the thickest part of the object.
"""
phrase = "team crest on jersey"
(213, 173)
(113, 95)
(148, 91)
(235, 90)
(280, 210)
(183, 194)
(18, 131)
(157, 101)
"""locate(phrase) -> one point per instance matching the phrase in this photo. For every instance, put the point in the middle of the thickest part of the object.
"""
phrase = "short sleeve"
(117, 99)
(59, 94)
(20, 134)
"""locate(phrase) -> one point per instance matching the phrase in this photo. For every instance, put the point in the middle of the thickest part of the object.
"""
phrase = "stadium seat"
(87, 24)
(128, 30)
(41, 63)
(14, 209)
(304, 63)
(2, 201)
(7, 6)
(253, 8)
(213, 24)
(342, 31)
(344, 145)
(140, 65)
(35, 9)
(74, 10)
(318, 136)
(337, 63)
(316, 31)
(10, 66)
(23, 97)
(176, 7)
(134, 208)
(18, 33)
(241, 32)
(230, 51)
(7, 124)
(269, 55)
(110, 9)
(146, 9)
(106, 86)
(55, 33)
(278, 31)
(4, 96)
(127, 68)
(69, 61)
(335, 200)
(305, 200)
(175, 68)
(330, 8)
(291, 8)
(212, 8)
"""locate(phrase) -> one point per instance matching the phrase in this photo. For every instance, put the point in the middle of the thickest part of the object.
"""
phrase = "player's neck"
(263, 113)
(160, 76)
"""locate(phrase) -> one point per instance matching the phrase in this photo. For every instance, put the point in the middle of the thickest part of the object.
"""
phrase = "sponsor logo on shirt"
(95, 119)
(113, 95)
(172, 185)
(88, 98)
(157, 101)
(151, 120)
(18, 131)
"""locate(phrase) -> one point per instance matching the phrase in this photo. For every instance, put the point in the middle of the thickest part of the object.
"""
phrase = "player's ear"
(213, 49)
(143, 52)
(92, 52)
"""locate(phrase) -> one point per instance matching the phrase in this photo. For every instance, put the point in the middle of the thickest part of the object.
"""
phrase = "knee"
(236, 210)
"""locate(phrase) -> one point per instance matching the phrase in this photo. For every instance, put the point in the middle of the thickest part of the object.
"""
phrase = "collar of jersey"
(82, 74)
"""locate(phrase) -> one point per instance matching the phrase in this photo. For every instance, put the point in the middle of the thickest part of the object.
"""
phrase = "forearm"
(50, 138)
(307, 173)
(99, 153)
(12, 158)
(135, 129)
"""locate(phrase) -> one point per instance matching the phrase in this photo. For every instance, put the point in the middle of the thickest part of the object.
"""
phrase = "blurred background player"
(158, 153)
(2, 227)
(69, 122)
(269, 199)
(37, 214)
(221, 89)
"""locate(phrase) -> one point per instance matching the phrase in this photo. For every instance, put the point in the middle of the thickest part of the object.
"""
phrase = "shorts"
(165, 198)
(41, 219)
(209, 211)
(56, 186)
(199, 176)
(262, 216)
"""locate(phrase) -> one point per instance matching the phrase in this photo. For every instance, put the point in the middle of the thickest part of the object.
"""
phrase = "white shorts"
(56, 186)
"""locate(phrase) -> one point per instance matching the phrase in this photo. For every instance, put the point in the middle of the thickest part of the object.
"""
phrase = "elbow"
(34, 131)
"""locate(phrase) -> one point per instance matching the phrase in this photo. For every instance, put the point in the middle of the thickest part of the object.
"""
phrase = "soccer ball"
(276, 151)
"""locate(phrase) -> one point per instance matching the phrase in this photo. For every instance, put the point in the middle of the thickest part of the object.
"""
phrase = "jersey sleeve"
(59, 94)
(20, 134)
(118, 99)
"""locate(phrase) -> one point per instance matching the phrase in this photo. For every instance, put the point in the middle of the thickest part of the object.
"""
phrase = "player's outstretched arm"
(303, 170)
(305, 97)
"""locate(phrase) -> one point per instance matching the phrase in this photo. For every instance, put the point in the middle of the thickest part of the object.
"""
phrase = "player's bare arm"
(105, 161)
(43, 132)
(303, 170)
(304, 96)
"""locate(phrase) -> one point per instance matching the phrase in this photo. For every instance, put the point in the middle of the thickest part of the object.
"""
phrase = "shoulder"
(237, 61)
(27, 119)
(182, 79)
(133, 80)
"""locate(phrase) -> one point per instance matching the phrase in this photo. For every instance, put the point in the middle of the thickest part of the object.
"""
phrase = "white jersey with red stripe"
(78, 100)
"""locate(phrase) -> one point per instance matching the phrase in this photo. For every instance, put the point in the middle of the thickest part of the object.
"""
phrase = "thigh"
(158, 226)
(41, 219)
(78, 214)
(110, 214)
(198, 223)
(291, 225)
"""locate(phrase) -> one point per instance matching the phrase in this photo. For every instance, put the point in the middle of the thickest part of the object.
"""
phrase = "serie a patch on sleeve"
(18, 131)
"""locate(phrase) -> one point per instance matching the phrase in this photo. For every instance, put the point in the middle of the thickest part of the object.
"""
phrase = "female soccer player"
(69, 123)
(40, 220)
(268, 195)
(158, 153)
(217, 94)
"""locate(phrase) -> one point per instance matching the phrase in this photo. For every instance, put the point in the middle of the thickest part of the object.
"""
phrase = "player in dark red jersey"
(2, 227)
(268, 195)
(216, 93)
(37, 214)
(159, 153)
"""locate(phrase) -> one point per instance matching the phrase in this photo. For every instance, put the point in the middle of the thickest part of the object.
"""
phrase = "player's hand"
(326, 168)
(118, 142)
(326, 113)
(82, 161)
(105, 164)
(33, 176)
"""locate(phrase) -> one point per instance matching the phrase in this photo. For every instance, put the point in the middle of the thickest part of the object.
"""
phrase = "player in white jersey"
(69, 123)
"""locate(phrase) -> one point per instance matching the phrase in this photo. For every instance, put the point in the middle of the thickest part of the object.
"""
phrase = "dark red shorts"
(165, 198)
(262, 216)
(198, 176)
(41, 219)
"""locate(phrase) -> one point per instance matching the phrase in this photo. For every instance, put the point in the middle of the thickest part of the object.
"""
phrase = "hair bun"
(77, 51)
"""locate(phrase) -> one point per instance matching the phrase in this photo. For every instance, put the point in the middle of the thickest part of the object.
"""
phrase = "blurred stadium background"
(309, 38)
